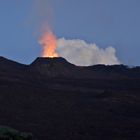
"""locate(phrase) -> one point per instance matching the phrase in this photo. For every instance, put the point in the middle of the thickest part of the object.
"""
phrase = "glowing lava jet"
(49, 44)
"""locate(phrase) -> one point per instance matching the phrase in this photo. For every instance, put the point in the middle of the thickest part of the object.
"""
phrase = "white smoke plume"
(82, 53)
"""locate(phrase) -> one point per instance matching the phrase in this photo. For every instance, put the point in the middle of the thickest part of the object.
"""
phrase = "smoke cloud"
(75, 51)
(81, 53)
(41, 16)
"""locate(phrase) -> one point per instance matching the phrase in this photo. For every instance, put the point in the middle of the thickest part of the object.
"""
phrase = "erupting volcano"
(49, 44)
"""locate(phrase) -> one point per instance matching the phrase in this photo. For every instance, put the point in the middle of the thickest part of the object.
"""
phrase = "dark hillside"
(56, 100)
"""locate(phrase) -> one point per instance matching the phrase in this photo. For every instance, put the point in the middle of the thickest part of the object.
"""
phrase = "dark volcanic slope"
(56, 100)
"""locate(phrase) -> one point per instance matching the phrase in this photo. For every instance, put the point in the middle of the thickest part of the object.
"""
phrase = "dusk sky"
(106, 23)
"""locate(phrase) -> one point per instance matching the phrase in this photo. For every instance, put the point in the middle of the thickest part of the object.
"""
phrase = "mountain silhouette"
(54, 99)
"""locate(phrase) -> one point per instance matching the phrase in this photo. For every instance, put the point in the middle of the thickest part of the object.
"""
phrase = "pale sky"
(106, 23)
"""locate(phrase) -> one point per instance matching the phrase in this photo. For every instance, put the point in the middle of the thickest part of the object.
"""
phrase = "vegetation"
(7, 133)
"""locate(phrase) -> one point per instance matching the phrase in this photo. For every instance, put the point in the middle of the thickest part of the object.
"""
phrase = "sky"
(114, 23)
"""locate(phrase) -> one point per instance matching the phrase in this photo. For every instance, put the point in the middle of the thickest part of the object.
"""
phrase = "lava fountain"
(49, 44)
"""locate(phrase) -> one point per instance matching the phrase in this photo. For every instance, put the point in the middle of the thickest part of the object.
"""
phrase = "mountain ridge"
(54, 99)
(61, 68)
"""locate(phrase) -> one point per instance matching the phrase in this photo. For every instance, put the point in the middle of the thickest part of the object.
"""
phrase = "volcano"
(54, 99)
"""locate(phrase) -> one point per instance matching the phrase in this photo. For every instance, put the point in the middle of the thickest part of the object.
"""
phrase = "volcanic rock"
(54, 99)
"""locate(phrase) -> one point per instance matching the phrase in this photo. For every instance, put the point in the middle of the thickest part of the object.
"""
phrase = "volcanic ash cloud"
(82, 53)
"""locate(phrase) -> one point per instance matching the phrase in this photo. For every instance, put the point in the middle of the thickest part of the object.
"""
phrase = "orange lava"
(49, 44)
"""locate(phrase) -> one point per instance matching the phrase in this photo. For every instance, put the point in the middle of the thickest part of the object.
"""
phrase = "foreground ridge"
(54, 99)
